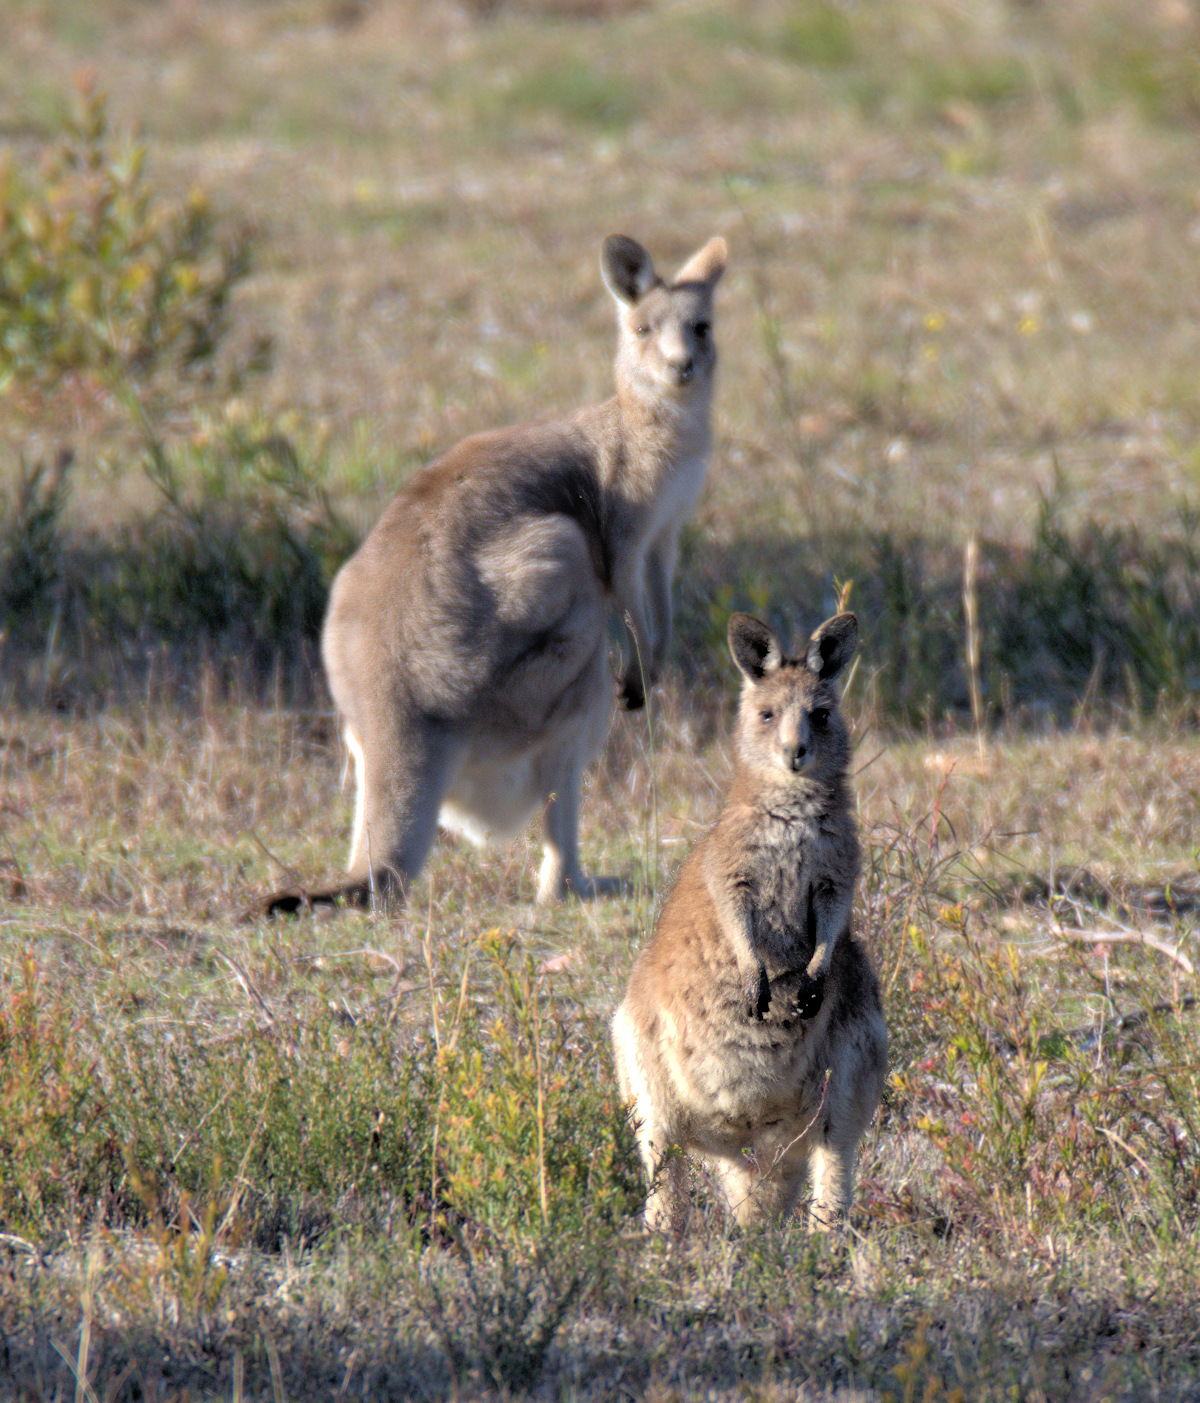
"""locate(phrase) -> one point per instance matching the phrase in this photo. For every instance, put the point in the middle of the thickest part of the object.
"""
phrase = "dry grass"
(130, 843)
(963, 302)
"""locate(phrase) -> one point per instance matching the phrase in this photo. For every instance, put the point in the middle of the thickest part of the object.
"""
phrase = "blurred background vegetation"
(259, 261)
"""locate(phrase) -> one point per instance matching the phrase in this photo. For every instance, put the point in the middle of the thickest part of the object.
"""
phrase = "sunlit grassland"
(189, 1095)
(382, 1154)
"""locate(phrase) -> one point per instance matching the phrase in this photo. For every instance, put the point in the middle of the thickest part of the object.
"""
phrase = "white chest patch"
(679, 495)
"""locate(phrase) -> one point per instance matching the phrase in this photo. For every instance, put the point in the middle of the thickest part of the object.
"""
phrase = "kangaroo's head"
(665, 341)
(789, 726)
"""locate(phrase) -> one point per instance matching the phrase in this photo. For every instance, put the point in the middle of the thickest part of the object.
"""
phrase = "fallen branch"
(1127, 936)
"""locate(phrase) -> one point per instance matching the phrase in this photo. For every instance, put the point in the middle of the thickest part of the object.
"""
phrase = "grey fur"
(466, 641)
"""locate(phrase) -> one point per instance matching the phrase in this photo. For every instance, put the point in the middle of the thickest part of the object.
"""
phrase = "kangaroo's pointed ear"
(754, 647)
(832, 646)
(626, 269)
(707, 265)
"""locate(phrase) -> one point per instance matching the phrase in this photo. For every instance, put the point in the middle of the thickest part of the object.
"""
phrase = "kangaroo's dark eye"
(702, 330)
(820, 717)
(767, 715)
(642, 329)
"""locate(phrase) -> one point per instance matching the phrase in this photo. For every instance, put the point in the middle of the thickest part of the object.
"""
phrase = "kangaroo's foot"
(594, 888)
(582, 888)
(294, 901)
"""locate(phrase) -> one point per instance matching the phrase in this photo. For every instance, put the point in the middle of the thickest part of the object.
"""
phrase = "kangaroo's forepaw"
(757, 994)
(810, 996)
(633, 694)
(796, 995)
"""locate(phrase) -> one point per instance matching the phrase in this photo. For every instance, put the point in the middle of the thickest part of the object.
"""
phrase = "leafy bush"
(56, 1152)
(245, 541)
(1088, 610)
(1103, 607)
(99, 274)
(538, 1170)
(1071, 1125)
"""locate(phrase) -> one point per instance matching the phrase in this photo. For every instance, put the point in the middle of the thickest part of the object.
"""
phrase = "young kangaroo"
(751, 1031)
(466, 641)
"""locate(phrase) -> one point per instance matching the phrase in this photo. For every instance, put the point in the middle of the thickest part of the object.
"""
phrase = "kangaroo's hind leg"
(831, 1170)
(408, 765)
(560, 774)
(666, 1170)
(403, 766)
(764, 1187)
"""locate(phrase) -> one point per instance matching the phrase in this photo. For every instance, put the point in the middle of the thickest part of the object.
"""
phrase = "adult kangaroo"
(466, 641)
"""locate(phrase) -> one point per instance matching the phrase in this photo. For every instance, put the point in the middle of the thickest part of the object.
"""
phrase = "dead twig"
(288, 871)
(367, 953)
(248, 987)
(272, 1023)
(1125, 936)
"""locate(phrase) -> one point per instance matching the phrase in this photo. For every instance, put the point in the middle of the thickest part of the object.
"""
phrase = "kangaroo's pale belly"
(746, 1077)
(491, 802)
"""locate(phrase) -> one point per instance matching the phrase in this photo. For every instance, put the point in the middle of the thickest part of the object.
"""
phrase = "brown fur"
(466, 641)
(752, 1022)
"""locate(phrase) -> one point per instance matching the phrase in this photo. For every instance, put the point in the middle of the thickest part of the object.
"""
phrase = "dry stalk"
(276, 1372)
(970, 609)
(240, 1180)
(248, 987)
(541, 1104)
(289, 872)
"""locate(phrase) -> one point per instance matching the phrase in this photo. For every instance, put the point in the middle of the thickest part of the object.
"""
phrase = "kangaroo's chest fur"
(678, 495)
(781, 859)
(775, 855)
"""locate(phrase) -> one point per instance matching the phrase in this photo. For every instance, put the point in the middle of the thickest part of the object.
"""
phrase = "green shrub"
(1033, 1118)
(100, 274)
(532, 1128)
(243, 545)
(502, 1124)
(538, 1171)
(239, 547)
(56, 1149)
